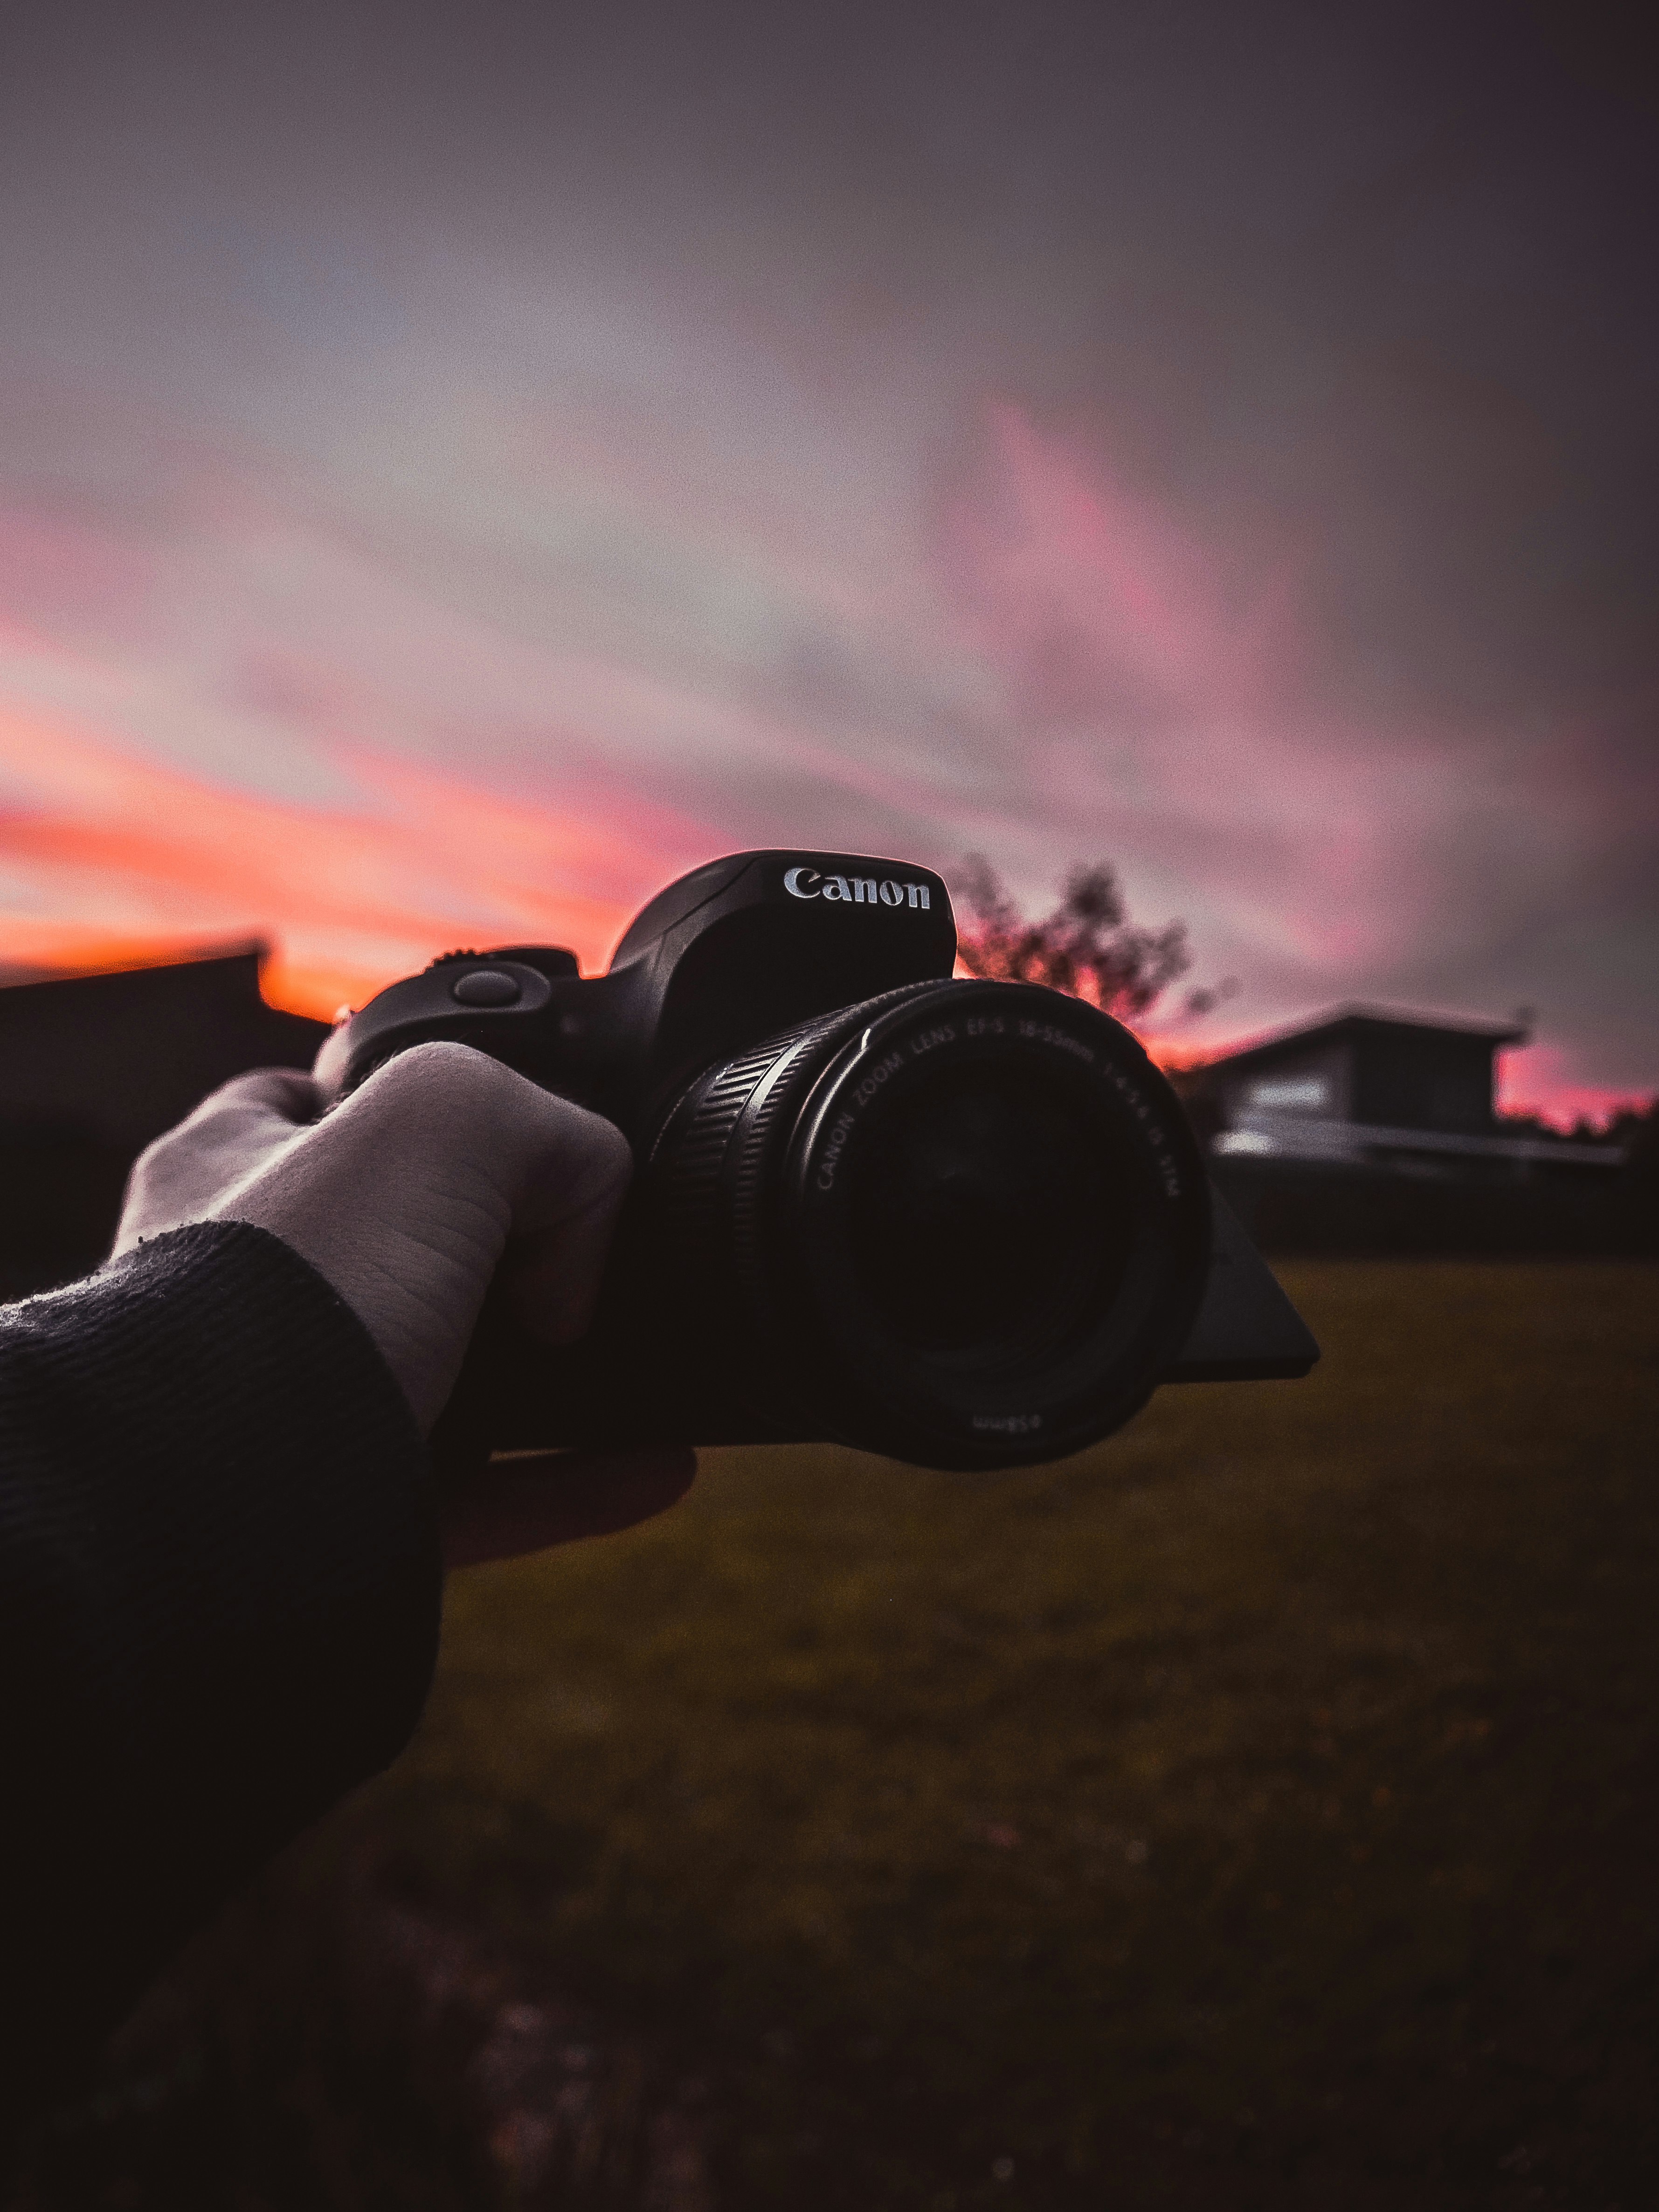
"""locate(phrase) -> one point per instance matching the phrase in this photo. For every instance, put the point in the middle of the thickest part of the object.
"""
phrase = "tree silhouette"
(1087, 946)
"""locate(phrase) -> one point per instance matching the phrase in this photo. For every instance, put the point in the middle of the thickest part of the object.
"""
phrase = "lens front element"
(985, 1216)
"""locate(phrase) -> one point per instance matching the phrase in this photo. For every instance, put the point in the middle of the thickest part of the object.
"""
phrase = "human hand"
(442, 1169)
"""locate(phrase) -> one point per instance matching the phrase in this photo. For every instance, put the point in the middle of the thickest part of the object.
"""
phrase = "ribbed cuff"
(219, 1601)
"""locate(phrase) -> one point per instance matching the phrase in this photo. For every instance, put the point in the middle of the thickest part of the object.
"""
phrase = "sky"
(460, 468)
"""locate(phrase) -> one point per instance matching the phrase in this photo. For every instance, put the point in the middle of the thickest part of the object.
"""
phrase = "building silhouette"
(1374, 1130)
(92, 1067)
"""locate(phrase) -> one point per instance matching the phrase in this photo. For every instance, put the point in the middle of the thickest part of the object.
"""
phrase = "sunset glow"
(449, 534)
(127, 863)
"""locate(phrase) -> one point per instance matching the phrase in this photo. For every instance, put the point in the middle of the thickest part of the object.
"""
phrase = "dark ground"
(1260, 1811)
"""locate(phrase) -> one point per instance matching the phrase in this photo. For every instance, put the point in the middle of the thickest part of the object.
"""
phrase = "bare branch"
(1086, 947)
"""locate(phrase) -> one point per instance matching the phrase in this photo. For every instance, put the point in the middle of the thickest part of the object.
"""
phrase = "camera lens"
(964, 1224)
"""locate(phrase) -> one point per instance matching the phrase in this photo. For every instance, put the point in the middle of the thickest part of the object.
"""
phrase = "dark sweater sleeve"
(219, 1601)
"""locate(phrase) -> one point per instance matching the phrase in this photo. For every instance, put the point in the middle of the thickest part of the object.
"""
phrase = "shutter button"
(487, 987)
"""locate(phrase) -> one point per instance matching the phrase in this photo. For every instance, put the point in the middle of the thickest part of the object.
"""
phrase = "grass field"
(1261, 1810)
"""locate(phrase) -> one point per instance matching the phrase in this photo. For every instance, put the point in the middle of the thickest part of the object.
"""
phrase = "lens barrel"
(964, 1223)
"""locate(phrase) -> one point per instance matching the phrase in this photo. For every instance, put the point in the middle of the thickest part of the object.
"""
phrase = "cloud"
(1097, 599)
(505, 672)
(1177, 708)
(105, 854)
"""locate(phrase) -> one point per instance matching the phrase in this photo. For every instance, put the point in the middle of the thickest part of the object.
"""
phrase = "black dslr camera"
(960, 1222)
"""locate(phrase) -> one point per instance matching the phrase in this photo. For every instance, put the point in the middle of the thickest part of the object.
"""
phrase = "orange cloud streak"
(107, 858)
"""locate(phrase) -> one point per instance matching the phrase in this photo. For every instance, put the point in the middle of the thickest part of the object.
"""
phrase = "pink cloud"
(1541, 1080)
(1182, 709)
(1162, 675)
(59, 570)
(1094, 595)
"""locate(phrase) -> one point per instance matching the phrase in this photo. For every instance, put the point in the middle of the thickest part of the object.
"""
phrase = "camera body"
(961, 1222)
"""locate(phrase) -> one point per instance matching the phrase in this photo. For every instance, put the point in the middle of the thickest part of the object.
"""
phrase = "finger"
(235, 1131)
(551, 1281)
(564, 1222)
(266, 1105)
(529, 1502)
(557, 1172)
(287, 1092)
(577, 1162)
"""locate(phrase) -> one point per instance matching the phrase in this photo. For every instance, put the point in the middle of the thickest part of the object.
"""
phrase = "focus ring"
(746, 1180)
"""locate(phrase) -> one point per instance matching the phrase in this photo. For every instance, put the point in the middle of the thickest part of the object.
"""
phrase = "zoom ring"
(707, 1177)
(685, 1160)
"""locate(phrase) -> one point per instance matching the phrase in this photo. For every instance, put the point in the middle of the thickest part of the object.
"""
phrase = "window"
(1290, 1094)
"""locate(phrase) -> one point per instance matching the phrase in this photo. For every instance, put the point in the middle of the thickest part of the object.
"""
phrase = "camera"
(957, 1222)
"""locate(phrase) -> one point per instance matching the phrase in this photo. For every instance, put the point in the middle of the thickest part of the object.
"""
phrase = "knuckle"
(440, 1090)
(268, 1086)
(437, 1067)
(594, 1148)
(154, 1158)
(480, 1103)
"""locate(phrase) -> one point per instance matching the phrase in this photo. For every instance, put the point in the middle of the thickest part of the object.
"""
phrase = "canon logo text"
(853, 890)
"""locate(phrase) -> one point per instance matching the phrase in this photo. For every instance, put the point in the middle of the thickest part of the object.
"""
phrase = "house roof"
(20, 974)
(1345, 1023)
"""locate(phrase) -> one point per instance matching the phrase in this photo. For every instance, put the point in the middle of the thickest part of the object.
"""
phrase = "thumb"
(531, 1500)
